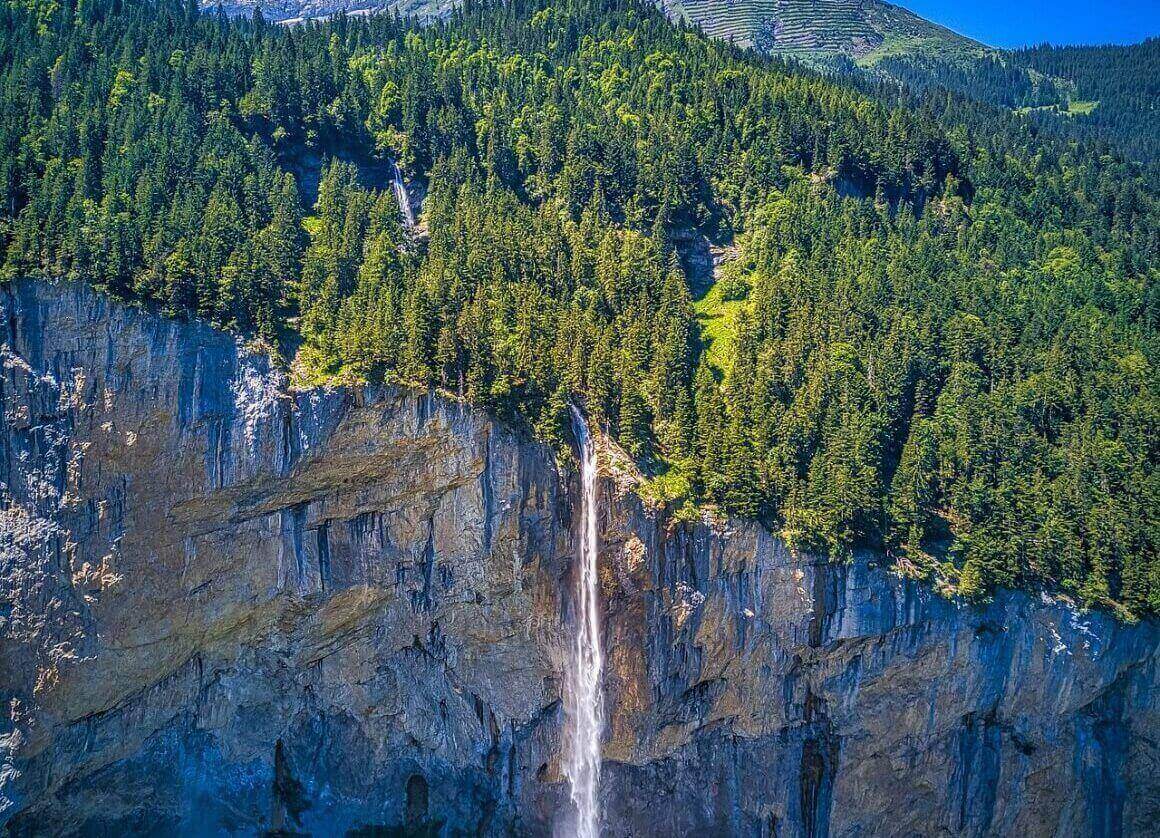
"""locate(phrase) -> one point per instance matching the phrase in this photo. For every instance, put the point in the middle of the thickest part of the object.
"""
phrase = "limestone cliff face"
(229, 608)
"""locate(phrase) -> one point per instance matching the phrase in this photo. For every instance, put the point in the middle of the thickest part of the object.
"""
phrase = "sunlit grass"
(717, 318)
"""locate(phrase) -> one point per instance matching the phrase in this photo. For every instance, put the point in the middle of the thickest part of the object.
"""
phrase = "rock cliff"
(226, 607)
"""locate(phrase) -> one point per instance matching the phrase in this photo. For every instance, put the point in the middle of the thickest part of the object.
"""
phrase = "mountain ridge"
(861, 29)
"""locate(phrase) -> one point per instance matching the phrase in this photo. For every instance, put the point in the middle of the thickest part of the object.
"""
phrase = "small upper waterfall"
(583, 696)
(401, 196)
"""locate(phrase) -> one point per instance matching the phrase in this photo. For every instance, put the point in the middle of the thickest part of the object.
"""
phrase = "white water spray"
(401, 196)
(583, 697)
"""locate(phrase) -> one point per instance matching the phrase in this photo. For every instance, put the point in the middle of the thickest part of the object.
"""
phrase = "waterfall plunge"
(583, 697)
(401, 196)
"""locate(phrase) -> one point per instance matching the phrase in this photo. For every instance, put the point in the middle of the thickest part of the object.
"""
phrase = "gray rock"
(227, 607)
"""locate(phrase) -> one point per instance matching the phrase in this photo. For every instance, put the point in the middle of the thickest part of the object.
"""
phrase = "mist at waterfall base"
(583, 697)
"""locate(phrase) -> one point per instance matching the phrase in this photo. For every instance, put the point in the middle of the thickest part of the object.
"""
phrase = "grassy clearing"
(1076, 107)
(899, 46)
(1082, 108)
(717, 317)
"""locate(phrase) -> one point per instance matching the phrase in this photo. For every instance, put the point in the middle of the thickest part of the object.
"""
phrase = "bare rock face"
(228, 608)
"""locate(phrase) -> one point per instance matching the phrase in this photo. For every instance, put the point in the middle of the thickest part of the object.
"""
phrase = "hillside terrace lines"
(856, 27)
(784, 25)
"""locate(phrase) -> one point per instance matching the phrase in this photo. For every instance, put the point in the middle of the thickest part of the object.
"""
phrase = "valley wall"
(230, 607)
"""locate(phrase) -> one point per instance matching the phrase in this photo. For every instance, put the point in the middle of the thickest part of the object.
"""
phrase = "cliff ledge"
(227, 607)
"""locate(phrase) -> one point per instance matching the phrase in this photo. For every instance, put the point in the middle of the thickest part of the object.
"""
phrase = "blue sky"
(1014, 23)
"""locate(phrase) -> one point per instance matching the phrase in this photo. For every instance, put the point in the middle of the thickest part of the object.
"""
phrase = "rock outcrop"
(226, 607)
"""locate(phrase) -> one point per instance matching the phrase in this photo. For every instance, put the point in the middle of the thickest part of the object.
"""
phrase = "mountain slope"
(861, 29)
(938, 330)
(1116, 92)
(338, 607)
(1104, 93)
(295, 11)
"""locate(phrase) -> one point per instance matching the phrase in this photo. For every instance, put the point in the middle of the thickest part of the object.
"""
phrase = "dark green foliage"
(993, 77)
(956, 361)
(1109, 94)
(1123, 83)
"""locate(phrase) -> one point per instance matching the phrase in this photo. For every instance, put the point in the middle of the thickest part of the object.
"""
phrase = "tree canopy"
(937, 338)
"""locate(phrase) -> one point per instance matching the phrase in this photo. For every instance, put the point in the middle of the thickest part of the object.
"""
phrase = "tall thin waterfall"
(583, 697)
(401, 195)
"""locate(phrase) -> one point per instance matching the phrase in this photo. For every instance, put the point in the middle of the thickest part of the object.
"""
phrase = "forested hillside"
(1108, 93)
(996, 78)
(939, 336)
(1118, 86)
(1097, 93)
(857, 28)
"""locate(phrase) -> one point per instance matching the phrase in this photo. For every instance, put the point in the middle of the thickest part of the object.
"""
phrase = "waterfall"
(401, 196)
(583, 697)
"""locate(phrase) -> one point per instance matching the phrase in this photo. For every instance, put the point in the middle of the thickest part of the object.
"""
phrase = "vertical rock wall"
(225, 607)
